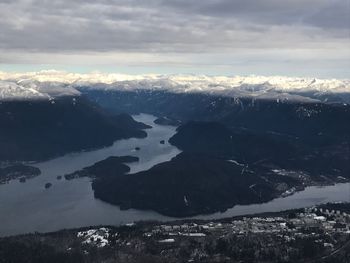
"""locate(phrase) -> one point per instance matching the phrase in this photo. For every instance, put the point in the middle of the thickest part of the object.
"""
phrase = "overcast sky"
(229, 37)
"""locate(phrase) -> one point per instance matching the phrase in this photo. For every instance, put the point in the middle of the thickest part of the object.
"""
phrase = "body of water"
(29, 207)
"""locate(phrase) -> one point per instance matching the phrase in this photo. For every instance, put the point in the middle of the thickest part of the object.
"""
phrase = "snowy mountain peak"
(57, 83)
(13, 91)
(27, 89)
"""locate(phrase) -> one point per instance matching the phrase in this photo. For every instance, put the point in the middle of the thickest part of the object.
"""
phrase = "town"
(314, 234)
(311, 233)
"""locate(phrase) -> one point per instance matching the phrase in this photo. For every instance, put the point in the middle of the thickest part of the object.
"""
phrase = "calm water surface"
(28, 207)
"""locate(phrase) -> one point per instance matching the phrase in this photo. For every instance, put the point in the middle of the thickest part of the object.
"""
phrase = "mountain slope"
(326, 156)
(40, 129)
(297, 119)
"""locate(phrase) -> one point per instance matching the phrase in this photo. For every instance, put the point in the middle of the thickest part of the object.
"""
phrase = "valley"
(226, 156)
(174, 131)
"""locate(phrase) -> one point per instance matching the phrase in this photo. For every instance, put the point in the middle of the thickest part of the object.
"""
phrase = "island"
(112, 166)
(167, 121)
(17, 171)
(185, 186)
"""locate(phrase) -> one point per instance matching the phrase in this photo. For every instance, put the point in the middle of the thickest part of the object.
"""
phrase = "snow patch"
(235, 162)
(168, 240)
(96, 237)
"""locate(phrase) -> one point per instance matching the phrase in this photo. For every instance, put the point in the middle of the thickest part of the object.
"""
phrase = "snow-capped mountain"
(29, 89)
(56, 83)
(13, 91)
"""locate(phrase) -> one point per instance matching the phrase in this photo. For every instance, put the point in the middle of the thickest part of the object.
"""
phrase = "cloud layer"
(157, 29)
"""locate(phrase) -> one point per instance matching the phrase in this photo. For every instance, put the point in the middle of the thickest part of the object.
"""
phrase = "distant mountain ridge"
(296, 119)
(258, 87)
(33, 90)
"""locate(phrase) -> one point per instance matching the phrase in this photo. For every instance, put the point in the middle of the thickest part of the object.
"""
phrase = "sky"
(214, 37)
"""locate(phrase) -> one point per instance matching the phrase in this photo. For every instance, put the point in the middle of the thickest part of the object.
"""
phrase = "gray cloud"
(319, 13)
(180, 28)
(172, 25)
